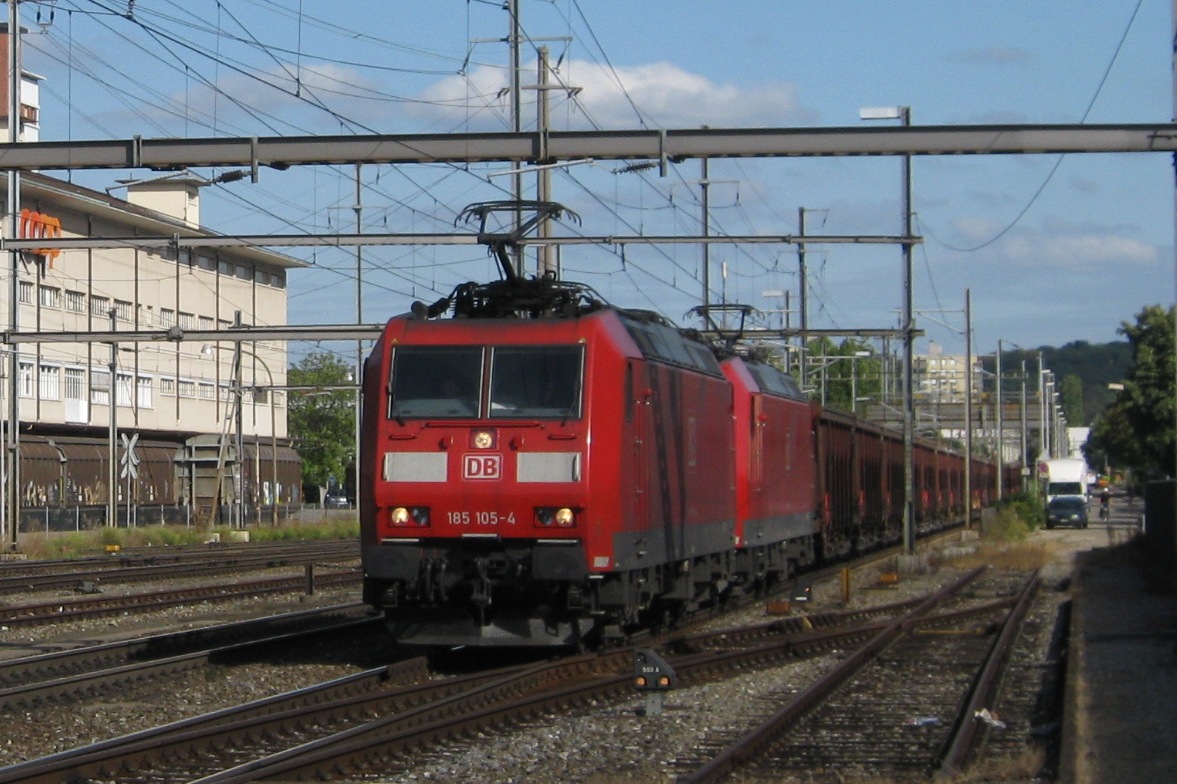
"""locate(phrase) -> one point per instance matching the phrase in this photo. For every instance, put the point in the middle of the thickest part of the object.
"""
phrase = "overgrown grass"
(1017, 517)
(82, 544)
(1004, 537)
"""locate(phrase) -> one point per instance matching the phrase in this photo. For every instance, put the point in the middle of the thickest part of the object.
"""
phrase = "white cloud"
(666, 95)
(1084, 250)
(974, 228)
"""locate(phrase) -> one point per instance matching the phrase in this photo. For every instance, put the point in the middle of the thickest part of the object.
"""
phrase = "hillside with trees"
(1083, 370)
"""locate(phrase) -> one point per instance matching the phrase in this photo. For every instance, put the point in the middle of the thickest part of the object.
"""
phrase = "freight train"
(65, 480)
(544, 469)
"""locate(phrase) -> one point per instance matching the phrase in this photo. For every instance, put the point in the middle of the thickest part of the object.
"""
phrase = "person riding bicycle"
(1104, 499)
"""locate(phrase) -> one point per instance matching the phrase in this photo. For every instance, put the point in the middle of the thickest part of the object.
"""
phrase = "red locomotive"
(545, 469)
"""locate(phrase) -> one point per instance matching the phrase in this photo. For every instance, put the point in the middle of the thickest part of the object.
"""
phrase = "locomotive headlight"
(555, 517)
(403, 516)
(483, 439)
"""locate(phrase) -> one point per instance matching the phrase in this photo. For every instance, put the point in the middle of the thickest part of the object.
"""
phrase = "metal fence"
(61, 519)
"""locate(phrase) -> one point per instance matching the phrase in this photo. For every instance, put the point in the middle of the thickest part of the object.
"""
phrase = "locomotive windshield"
(436, 381)
(535, 382)
(529, 382)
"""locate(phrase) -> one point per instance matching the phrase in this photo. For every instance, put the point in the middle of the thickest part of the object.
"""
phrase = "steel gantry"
(664, 146)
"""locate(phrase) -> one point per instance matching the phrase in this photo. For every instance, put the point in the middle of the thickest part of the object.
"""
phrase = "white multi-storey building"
(184, 393)
(208, 418)
(943, 377)
(183, 398)
(168, 392)
(175, 387)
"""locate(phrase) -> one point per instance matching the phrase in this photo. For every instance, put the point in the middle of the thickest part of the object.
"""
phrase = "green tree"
(1073, 400)
(1139, 429)
(322, 420)
(859, 375)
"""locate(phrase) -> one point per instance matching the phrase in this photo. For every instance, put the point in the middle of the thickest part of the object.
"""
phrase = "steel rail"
(343, 699)
(122, 753)
(55, 612)
(118, 573)
(114, 677)
(967, 731)
(752, 743)
(65, 663)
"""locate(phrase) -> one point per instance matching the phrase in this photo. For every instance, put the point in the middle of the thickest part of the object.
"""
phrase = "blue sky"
(1052, 249)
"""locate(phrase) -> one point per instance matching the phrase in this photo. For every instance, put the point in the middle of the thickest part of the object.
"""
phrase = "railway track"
(902, 705)
(21, 577)
(73, 609)
(96, 669)
(387, 702)
(373, 719)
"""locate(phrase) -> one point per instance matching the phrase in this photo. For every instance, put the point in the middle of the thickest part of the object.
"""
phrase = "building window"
(206, 323)
(206, 391)
(100, 387)
(167, 386)
(187, 388)
(99, 306)
(187, 320)
(224, 267)
(167, 317)
(123, 389)
(144, 391)
(76, 409)
(26, 293)
(26, 380)
(75, 384)
(50, 383)
(75, 301)
(123, 310)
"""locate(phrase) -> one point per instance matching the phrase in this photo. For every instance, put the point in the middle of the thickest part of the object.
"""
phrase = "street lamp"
(1001, 417)
(239, 426)
(1000, 427)
(271, 392)
(903, 114)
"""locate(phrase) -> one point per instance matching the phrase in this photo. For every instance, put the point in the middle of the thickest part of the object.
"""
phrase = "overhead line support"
(280, 152)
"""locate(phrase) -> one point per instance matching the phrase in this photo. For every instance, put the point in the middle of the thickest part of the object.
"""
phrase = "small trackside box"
(651, 672)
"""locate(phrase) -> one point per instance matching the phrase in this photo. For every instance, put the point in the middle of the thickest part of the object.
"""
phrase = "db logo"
(482, 466)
